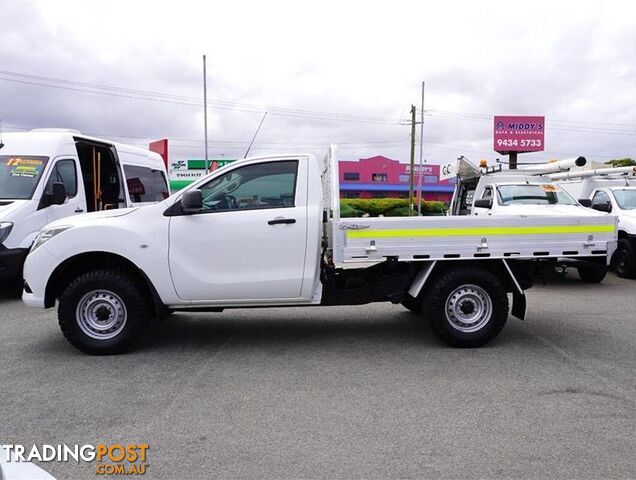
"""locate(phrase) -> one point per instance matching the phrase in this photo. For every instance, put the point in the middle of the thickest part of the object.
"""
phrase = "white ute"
(525, 192)
(611, 191)
(50, 174)
(266, 232)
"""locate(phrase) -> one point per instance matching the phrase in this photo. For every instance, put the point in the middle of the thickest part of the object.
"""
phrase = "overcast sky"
(343, 72)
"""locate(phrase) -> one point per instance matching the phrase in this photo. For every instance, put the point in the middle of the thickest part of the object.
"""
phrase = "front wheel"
(624, 259)
(103, 312)
(467, 307)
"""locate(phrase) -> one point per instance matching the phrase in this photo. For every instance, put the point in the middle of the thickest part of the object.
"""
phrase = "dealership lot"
(342, 392)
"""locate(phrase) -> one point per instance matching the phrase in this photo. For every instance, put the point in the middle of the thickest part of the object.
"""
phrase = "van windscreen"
(19, 175)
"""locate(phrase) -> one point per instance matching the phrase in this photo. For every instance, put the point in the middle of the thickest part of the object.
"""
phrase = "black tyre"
(624, 259)
(592, 274)
(103, 312)
(412, 304)
(466, 306)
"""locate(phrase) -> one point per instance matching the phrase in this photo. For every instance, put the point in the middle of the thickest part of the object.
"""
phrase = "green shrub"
(388, 207)
(347, 211)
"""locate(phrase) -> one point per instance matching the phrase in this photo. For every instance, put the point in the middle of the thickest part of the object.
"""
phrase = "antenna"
(1, 144)
(258, 129)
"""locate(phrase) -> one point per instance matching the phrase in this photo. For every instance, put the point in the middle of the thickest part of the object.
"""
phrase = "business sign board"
(213, 163)
(448, 170)
(518, 134)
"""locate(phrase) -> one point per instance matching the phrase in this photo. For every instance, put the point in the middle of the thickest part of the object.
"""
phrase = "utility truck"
(50, 174)
(527, 191)
(266, 232)
(610, 191)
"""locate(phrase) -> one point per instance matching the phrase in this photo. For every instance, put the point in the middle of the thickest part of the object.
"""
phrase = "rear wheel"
(467, 307)
(624, 259)
(592, 274)
(103, 312)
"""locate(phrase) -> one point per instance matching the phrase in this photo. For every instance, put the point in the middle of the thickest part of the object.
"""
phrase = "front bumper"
(11, 264)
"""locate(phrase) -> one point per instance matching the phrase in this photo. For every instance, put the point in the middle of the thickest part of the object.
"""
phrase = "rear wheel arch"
(82, 263)
(495, 267)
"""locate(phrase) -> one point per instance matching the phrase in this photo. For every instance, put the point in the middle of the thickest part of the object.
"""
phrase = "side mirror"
(603, 207)
(483, 203)
(586, 202)
(58, 196)
(192, 201)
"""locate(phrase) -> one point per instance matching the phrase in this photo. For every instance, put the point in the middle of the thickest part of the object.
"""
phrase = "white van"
(49, 174)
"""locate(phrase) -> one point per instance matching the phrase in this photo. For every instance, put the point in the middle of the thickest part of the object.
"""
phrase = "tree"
(622, 162)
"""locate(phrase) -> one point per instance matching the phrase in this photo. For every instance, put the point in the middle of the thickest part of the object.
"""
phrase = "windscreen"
(534, 195)
(19, 175)
(626, 199)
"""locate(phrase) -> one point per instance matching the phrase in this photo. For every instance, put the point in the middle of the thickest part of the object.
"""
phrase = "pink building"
(381, 177)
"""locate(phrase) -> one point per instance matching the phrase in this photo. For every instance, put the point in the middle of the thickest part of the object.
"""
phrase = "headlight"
(46, 235)
(5, 230)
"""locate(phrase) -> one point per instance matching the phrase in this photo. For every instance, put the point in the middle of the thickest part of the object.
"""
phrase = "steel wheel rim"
(468, 308)
(101, 314)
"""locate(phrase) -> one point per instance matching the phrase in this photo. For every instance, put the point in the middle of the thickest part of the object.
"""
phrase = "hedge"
(388, 207)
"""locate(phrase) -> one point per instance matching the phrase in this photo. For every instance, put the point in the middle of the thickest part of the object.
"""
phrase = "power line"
(110, 90)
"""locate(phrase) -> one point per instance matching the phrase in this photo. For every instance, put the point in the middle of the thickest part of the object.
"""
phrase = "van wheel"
(467, 307)
(624, 259)
(103, 312)
(412, 304)
(592, 274)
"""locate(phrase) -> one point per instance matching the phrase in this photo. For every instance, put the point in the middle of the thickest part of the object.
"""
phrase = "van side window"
(487, 192)
(263, 185)
(64, 171)
(146, 184)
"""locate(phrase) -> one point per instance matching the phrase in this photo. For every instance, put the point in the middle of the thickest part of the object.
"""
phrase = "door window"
(64, 172)
(600, 198)
(259, 186)
(487, 193)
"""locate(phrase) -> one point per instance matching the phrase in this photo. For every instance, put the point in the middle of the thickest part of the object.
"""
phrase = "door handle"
(79, 210)
(278, 221)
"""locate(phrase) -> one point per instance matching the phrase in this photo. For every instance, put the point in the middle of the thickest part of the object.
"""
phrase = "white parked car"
(613, 192)
(527, 194)
(266, 232)
(50, 174)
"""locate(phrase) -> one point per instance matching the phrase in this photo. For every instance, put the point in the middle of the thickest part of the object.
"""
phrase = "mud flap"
(518, 309)
(518, 305)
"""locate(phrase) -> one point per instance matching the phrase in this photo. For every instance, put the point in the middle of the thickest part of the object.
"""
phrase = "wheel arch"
(514, 277)
(88, 261)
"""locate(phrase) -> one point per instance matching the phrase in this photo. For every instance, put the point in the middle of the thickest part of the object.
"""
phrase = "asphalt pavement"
(342, 392)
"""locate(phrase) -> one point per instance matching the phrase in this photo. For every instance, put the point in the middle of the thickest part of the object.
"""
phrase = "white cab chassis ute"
(266, 232)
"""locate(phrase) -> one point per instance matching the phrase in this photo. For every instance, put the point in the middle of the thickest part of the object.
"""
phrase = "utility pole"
(411, 210)
(205, 114)
(419, 178)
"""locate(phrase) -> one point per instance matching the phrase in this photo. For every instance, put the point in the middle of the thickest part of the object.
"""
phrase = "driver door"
(248, 243)
(64, 170)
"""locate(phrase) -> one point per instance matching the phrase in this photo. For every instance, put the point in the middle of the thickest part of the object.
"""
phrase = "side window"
(264, 185)
(600, 198)
(64, 171)
(145, 184)
(487, 192)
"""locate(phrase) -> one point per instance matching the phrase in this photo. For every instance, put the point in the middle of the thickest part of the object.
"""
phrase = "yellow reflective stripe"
(477, 231)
